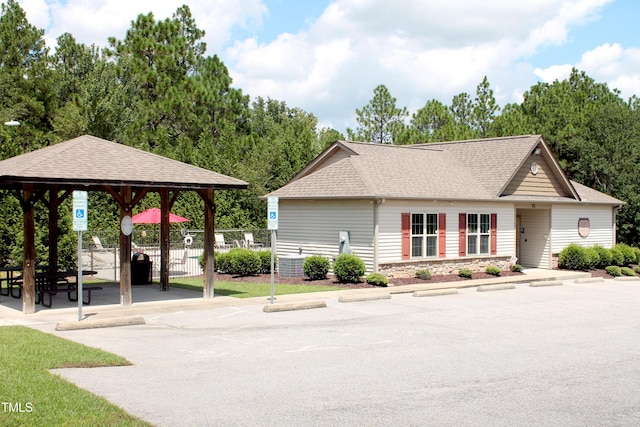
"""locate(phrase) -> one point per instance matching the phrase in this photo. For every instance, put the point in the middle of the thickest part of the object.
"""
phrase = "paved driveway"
(564, 355)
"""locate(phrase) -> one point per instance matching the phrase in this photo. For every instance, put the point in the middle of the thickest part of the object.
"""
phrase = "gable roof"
(478, 170)
(93, 162)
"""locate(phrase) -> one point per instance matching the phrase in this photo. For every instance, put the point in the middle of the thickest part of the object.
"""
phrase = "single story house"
(441, 206)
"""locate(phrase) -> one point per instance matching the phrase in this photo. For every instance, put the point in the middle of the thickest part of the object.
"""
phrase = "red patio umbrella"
(152, 216)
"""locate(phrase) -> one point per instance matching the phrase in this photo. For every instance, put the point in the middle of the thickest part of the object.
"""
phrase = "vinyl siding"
(315, 226)
(543, 183)
(564, 222)
(390, 232)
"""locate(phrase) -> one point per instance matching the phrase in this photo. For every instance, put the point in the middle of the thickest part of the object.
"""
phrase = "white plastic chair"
(220, 243)
(249, 243)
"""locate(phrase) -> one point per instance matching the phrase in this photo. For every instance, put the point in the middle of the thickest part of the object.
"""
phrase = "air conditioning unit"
(290, 265)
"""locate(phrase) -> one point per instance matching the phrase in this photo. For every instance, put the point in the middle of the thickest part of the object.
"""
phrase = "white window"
(478, 233)
(424, 235)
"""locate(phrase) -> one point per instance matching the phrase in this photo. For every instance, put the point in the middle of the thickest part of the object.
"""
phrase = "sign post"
(272, 224)
(80, 224)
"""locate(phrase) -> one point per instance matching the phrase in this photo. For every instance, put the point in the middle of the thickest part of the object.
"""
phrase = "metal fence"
(101, 251)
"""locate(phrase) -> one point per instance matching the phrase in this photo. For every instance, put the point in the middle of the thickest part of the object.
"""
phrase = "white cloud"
(609, 63)
(553, 73)
(93, 22)
(420, 50)
(617, 66)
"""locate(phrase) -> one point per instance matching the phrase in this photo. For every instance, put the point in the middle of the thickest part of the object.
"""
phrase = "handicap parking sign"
(272, 213)
(80, 206)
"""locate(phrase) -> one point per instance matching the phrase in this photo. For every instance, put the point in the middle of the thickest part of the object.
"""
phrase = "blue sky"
(615, 24)
(327, 57)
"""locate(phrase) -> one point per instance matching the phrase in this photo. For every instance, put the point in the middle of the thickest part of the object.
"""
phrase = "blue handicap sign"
(79, 213)
(272, 215)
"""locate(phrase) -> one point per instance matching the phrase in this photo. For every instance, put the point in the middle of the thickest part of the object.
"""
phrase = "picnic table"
(49, 283)
(12, 281)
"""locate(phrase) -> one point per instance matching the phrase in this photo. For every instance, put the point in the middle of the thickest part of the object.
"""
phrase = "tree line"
(158, 91)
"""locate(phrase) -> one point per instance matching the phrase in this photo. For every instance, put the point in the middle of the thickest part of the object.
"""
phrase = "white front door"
(534, 243)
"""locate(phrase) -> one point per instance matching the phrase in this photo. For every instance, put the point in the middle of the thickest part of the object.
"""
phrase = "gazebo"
(87, 163)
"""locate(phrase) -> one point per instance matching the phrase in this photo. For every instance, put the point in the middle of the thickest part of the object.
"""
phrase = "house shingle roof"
(459, 170)
(91, 161)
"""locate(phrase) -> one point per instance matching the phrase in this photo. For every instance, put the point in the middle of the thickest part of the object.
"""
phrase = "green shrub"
(465, 273)
(316, 267)
(377, 279)
(516, 268)
(593, 257)
(265, 261)
(617, 257)
(348, 268)
(244, 262)
(627, 253)
(573, 257)
(613, 270)
(222, 262)
(626, 271)
(637, 270)
(605, 256)
(636, 252)
(423, 274)
(493, 270)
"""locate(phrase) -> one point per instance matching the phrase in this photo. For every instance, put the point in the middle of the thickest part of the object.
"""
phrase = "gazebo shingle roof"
(90, 161)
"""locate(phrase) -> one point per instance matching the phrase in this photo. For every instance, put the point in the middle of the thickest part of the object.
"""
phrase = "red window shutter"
(406, 236)
(462, 234)
(442, 235)
(494, 234)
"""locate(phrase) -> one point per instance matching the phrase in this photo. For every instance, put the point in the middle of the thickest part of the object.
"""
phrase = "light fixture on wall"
(536, 152)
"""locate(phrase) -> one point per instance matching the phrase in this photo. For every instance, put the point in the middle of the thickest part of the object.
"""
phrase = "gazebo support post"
(164, 239)
(125, 250)
(54, 202)
(209, 230)
(29, 261)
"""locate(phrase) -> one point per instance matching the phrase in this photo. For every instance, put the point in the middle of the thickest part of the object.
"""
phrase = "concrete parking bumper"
(289, 306)
(100, 323)
(501, 287)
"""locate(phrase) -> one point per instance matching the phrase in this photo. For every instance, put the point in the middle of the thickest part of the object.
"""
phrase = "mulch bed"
(331, 281)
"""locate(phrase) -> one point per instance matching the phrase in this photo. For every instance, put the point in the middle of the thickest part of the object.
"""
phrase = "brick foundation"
(449, 266)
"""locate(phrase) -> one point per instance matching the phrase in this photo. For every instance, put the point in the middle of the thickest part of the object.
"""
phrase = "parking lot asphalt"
(567, 354)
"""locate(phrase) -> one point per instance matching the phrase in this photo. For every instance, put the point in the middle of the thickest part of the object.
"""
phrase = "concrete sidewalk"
(148, 299)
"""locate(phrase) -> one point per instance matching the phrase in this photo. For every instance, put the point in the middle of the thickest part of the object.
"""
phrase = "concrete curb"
(290, 306)
(545, 283)
(502, 287)
(356, 298)
(435, 292)
(589, 280)
(100, 323)
(626, 279)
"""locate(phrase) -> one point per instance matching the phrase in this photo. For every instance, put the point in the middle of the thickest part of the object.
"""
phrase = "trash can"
(140, 269)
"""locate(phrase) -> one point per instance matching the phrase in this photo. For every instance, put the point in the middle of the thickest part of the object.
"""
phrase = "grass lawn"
(31, 396)
(247, 290)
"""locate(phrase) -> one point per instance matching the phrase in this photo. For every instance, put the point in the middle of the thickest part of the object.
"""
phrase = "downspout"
(376, 230)
(614, 226)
